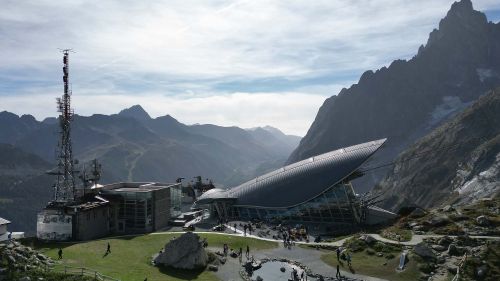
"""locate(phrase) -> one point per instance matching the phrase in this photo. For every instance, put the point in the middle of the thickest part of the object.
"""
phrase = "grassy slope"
(130, 256)
(372, 265)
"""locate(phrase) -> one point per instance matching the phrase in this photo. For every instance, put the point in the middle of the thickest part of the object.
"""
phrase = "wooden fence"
(82, 271)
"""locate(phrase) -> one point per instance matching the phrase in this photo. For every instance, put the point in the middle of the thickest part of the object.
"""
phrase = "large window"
(333, 206)
(175, 200)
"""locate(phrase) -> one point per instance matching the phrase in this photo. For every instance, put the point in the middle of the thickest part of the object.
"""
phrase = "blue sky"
(244, 63)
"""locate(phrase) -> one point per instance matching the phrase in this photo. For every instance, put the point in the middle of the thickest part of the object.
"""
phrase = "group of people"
(245, 228)
(287, 243)
(344, 255)
(295, 275)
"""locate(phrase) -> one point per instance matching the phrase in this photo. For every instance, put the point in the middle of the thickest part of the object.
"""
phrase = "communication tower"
(65, 183)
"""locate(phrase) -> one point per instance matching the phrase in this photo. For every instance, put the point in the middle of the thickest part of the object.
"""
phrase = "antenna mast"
(65, 184)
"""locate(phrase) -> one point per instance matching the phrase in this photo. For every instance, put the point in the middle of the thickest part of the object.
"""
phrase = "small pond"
(271, 271)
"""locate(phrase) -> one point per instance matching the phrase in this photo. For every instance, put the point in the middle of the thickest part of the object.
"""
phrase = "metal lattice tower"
(65, 184)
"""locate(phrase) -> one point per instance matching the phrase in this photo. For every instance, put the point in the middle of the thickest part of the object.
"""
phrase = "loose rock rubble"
(15, 257)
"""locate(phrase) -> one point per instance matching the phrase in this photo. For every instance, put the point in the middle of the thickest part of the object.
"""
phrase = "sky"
(230, 63)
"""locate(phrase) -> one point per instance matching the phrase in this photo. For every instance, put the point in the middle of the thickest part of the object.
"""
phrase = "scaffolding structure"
(65, 183)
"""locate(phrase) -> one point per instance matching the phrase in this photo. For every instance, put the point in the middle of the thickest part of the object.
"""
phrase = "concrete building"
(85, 220)
(118, 208)
(4, 232)
(316, 191)
(142, 207)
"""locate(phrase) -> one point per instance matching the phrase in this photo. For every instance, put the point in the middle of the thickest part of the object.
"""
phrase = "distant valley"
(131, 146)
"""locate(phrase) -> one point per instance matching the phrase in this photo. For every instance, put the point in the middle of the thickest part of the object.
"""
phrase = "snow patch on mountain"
(485, 184)
(485, 73)
(449, 107)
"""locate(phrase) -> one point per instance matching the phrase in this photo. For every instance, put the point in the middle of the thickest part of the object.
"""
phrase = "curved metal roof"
(298, 182)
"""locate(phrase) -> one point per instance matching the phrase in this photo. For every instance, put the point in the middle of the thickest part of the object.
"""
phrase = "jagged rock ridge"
(459, 162)
(404, 101)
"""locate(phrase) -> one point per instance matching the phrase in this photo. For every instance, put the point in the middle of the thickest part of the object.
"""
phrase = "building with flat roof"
(141, 207)
(317, 190)
(118, 208)
(5, 234)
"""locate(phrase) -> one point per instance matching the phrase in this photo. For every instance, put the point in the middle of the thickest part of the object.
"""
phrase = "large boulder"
(453, 250)
(424, 251)
(184, 252)
(417, 213)
(439, 221)
(483, 221)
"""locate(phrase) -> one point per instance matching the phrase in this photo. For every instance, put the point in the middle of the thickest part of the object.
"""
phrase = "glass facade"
(136, 210)
(175, 200)
(337, 204)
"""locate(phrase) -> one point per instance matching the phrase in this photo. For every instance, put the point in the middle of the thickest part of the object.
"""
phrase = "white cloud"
(187, 49)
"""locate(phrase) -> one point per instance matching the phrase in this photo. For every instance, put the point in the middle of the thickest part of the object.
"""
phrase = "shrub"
(390, 256)
(355, 245)
(425, 268)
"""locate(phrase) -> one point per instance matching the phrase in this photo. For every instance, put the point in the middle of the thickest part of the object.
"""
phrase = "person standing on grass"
(338, 253)
(60, 253)
(108, 250)
(348, 258)
(248, 252)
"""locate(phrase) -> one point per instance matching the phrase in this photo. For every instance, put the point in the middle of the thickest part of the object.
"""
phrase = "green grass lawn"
(130, 258)
(371, 265)
(393, 232)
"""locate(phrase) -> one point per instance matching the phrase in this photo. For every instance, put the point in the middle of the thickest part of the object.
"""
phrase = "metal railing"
(82, 271)
(460, 265)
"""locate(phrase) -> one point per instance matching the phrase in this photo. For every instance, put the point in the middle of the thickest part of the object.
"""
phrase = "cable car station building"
(315, 191)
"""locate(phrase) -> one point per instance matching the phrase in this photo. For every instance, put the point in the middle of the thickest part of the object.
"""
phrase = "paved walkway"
(414, 240)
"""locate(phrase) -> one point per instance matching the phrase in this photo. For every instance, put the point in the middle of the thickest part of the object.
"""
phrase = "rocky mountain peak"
(136, 112)
(461, 6)
(459, 63)
(460, 22)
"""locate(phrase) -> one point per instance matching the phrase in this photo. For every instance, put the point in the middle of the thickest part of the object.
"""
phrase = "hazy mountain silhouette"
(133, 146)
(136, 112)
(23, 174)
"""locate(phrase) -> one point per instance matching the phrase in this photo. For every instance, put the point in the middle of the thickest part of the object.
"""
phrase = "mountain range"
(457, 163)
(409, 98)
(22, 174)
(131, 146)
(437, 109)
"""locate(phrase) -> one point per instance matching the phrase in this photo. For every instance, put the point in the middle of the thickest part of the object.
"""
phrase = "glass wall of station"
(136, 211)
(336, 205)
(175, 200)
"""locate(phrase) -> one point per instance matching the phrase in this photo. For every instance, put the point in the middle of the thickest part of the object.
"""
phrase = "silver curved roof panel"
(300, 181)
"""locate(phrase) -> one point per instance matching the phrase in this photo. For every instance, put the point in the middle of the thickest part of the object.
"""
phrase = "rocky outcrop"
(458, 162)
(16, 259)
(424, 251)
(406, 100)
(184, 252)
